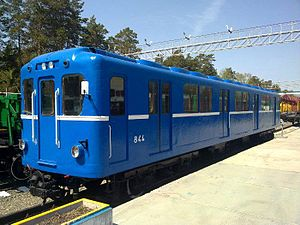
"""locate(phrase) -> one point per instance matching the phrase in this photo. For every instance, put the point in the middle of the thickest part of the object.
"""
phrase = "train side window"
(117, 96)
(47, 97)
(72, 99)
(241, 101)
(205, 99)
(266, 103)
(153, 97)
(190, 98)
(165, 98)
(28, 89)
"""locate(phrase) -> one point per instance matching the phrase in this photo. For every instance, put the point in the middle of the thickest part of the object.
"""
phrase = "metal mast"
(242, 38)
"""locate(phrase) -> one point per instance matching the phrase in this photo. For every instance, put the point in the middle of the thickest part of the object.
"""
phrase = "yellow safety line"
(100, 204)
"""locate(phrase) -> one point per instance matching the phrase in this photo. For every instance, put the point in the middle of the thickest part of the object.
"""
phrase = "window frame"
(80, 95)
(52, 98)
(123, 112)
(266, 103)
(27, 96)
(239, 104)
(193, 108)
(206, 105)
(153, 106)
(165, 108)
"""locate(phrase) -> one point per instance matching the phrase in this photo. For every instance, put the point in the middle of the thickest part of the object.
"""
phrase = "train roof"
(74, 52)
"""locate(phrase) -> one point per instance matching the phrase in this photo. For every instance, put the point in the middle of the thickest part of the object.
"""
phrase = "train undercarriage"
(56, 186)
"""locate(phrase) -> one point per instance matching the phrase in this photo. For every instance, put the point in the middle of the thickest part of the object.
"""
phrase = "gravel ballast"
(17, 201)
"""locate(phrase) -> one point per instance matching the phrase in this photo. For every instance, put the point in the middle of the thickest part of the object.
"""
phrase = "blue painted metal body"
(164, 135)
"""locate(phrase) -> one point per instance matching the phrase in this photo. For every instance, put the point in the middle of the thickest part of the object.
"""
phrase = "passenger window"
(205, 99)
(241, 101)
(47, 97)
(190, 98)
(117, 96)
(153, 97)
(72, 99)
(266, 103)
(28, 89)
(166, 98)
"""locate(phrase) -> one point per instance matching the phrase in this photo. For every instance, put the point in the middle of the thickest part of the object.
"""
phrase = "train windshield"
(28, 89)
(72, 99)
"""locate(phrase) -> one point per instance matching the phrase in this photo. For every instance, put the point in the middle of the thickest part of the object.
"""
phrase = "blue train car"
(90, 114)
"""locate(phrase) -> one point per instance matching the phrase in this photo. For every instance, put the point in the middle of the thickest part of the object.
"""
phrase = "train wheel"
(135, 187)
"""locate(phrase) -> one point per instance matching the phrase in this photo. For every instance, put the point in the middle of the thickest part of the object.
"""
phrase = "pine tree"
(94, 34)
(53, 25)
(201, 63)
(124, 42)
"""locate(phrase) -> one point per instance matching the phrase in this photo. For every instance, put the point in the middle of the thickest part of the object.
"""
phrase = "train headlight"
(44, 67)
(77, 151)
(51, 65)
(22, 144)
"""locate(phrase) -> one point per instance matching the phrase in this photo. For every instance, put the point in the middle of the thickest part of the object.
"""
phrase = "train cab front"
(61, 129)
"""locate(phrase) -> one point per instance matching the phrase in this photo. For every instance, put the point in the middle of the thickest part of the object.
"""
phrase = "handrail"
(32, 119)
(57, 142)
(110, 141)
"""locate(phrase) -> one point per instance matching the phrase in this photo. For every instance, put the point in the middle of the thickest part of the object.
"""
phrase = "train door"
(46, 113)
(255, 111)
(225, 111)
(165, 117)
(117, 127)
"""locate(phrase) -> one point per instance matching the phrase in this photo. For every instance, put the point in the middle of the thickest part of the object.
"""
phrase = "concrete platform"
(258, 186)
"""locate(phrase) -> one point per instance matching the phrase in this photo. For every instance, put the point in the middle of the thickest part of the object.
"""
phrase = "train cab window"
(72, 99)
(117, 96)
(153, 97)
(166, 98)
(241, 101)
(47, 97)
(205, 99)
(266, 103)
(190, 98)
(28, 89)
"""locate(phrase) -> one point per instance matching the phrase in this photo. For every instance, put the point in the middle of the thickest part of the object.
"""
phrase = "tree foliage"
(247, 78)
(53, 25)
(94, 34)
(32, 27)
(228, 74)
(124, 42)
(201, 63)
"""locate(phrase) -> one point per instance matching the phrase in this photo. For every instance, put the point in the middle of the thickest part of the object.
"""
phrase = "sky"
(161, 20)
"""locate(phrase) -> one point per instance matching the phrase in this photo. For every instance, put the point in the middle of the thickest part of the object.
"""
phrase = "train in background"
(290, 108)
(90, 115)
(10, 133)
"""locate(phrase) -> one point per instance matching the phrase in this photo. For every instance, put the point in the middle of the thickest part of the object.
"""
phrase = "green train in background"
(10, 133)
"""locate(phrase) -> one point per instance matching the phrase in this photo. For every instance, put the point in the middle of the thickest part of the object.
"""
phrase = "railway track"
(155, 181)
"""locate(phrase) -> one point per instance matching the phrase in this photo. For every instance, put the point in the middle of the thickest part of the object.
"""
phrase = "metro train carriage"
(90, 114)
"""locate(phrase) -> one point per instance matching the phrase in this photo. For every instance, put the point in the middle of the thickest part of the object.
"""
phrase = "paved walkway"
(258, 186)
